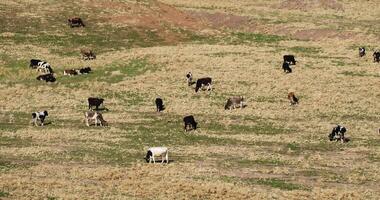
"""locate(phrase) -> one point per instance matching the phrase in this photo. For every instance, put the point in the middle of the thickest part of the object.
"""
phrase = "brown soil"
(305, 5)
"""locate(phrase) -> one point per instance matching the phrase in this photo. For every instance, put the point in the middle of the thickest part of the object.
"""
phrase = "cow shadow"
(191, 83)
(159, 161)
(102, 109)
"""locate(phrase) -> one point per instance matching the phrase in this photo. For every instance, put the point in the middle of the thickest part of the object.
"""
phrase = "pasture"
(144, 48)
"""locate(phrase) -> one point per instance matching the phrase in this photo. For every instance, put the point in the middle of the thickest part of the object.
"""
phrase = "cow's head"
(149, 154)
(45, 113)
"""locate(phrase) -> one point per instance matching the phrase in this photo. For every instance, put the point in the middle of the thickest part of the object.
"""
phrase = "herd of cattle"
(94, 117)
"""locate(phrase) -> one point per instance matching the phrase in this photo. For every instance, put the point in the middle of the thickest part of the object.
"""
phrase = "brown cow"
(87, 54)
(292, 98)
(75, 22)
(97, 117)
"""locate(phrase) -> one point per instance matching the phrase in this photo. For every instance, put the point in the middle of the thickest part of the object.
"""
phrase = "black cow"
(85, 70)
(94, 101)
(290, 59)
(75, 22)
(337, 133)
(203, 82)
(46, 77)
(190, 123)
(361, 51)
(286, 67)
(376, 56)
(159, 105)
(34, 63)
(39, 116)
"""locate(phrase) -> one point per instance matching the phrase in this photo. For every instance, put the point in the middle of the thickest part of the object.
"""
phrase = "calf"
(337, 133)
(234, 102)
(286, 67)
(70, 72)
(157, 151)
(46, 77)
(189, 78)
(361, 51)
(85, 70)
(39, 116)
(34, 63)
(376, 56)
(75, 22)
(290, 59)
(96, 117)
(190, 123)
(44, 67)
(202, 82)
(93, 101)
(159, 105)
(87, 54)
(292, 98)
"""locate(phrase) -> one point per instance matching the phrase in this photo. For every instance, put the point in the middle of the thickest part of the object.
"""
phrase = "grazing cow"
(39, 116)
(286, 67)
(85, 70)
(189, 78)
(96, 117)
(292, 98)
(190, 123)
(376, 56)
(202, 82)
(159, 105)
(290, 59)
(34, 63)
(46, 77)
(234, 102)
(87, 54)
(93, 101)
(44, 67)
(157, 151)
(361, 51)
(337, 133)
(70, 72)
(75, 22)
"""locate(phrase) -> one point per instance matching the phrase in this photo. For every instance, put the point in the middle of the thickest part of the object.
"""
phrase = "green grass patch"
(4, 194)
(271, 182)
(306, 50)
(248, 38)
(359, 74)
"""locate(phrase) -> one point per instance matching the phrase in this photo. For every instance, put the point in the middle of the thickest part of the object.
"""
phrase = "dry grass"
(267, 150)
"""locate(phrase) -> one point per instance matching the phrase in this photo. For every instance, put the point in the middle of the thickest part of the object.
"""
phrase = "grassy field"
(268, 150)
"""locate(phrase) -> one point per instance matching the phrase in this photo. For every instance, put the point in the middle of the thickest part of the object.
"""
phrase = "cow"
(39, 116)
(234, 102)
(189, 79)
(157, 151)
(286, 67)
(202, 82)
(376, 56)
(361, 51)
(290, 59)
(46, 77)
(34, 63)
(159, 105)
(44, 67)
(87, 54)
(337, 133)
(75, 22)
(292, 98)
(190, 123)
(95, 116)
(85, 70)
(94, 101)
(70, 72)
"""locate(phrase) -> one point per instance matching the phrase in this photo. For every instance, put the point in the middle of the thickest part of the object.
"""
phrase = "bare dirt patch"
(306, 5)
(320, 34)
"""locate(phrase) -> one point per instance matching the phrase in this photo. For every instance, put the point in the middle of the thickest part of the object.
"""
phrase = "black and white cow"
(46, 77)
(190, 123)
(155, 152)
(292, 98)
(39, 116)
(234, 102)
(337, 133)
(85, 70)
(290, 59)
(96, 117)
(34, 63)
(361, 51)
(189, 78)
(204, 82)
(159, 104)
(94, 101)
(286, 67)
(70, 72)
(75, 22)
(376, 56)
(44, 67)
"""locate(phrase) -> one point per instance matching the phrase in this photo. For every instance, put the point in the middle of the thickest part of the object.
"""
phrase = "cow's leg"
(241, 105)
(167, 157)
(87, 121)
(162, 158)
(154, 161)
(35, 121)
